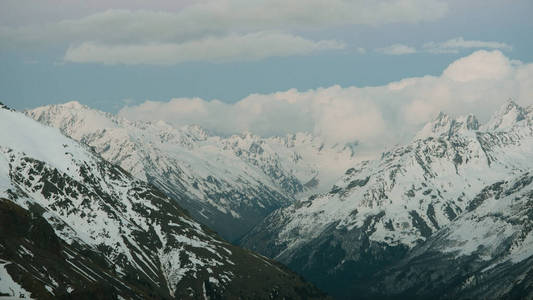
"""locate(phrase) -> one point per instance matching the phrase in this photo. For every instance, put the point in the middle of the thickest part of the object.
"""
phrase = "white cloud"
(330, 113)
(450, 46)
(457, 44)
(479, 65)
(397, 49)
(253, 46)
(374, 116)
(226, 16)
(141, 31)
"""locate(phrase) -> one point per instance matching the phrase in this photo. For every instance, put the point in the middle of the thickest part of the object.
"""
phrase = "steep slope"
(34, 256)
(135, 240)
(229, 183)
(380, 209)
(487, 253)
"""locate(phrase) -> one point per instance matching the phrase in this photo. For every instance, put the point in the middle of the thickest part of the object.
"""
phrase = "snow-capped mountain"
(228, 183)
(381, 209)
(486, 253)
(73, 223)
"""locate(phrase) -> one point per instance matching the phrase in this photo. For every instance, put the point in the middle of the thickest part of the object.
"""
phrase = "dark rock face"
(248, 276)
(36, 264)
(343, 262)
(437, 276)
(3, 106)
(501, 265)
(494, 261)
(36, 257)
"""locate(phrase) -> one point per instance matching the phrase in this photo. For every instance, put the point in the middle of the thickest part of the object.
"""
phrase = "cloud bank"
(374, 116)
(397, 49)
(182, 35)
(454, 45)
(457, 44)
(253, 46)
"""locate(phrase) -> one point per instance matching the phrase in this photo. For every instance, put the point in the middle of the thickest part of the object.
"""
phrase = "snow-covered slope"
(486, 253)
(229, 183)
(382, 208)
(146, 243)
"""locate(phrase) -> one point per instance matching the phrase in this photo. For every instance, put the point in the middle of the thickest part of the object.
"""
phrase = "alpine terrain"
(74, 226)
(448, 215)
(228, 183)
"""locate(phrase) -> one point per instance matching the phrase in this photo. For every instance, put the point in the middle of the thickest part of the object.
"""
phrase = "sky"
(345, 70)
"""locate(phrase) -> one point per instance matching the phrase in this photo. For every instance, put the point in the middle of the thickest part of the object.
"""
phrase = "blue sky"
(347, 71)
(37, 72)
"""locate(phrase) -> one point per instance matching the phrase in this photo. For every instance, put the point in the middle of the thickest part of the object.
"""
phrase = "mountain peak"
(445, 125)
(3, 106)
(469, 121)
(197, 132)
(72, 223)
(509, 114)
(73, 104)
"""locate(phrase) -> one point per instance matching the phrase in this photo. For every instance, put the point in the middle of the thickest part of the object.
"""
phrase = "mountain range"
(229, 183)
(447, 215)
(74, 226)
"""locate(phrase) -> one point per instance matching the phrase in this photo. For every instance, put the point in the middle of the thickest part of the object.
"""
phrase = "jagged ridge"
(137, 242)
(381, 209)
(230, 183)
